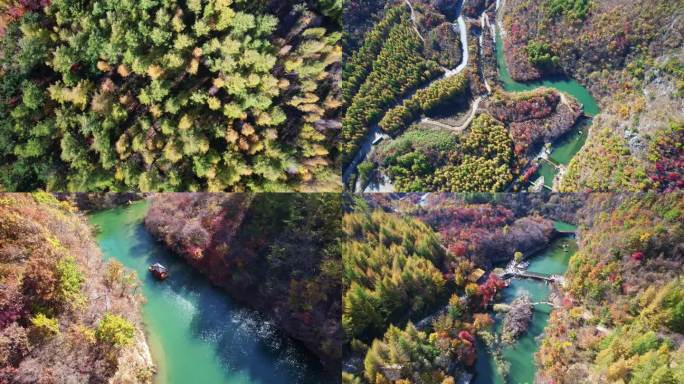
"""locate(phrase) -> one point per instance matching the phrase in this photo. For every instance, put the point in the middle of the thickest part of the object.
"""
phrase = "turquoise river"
(568, 145)
(520, 355)
(196, 333)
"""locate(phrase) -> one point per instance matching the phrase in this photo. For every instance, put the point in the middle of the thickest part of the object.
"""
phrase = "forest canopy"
(166, 95)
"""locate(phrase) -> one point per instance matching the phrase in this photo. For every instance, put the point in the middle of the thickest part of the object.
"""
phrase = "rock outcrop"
(517, 319)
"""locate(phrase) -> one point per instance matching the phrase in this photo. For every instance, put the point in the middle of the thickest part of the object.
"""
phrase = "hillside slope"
(623, 319)
(629, 54)
(65, 315)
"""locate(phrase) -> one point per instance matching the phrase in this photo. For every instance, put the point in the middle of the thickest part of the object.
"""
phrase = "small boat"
(159, 271)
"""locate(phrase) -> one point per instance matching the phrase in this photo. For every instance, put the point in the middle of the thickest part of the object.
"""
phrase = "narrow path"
(473, 111)
(545, 303)
(534, 276)
(427, 120)
(413, 19)
(484, 21)
(484, 78)
(498, 19)
(460, 128)
(551, 163)
(490, 25)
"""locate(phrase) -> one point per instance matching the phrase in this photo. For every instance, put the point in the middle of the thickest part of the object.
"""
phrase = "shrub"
(572, 9)
(44, 327)
(539, 54)
(114, 330)
(70, 281)
(365, 171)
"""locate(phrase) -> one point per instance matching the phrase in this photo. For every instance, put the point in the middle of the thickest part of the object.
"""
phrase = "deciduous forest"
(433, 288)
(169, 96)
(588, 97)
(342, 191)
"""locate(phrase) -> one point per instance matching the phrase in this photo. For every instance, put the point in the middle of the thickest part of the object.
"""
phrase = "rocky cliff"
(277, 253)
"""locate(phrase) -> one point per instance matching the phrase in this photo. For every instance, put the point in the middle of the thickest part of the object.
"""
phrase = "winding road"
(375, 132)
(463, 31)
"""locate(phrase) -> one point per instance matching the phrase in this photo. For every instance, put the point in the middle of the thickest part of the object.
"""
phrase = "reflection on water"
(196, 332)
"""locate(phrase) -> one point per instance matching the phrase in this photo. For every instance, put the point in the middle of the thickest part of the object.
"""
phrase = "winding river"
(566, 147)
(197, 334)
(520, 355)
(563, 150)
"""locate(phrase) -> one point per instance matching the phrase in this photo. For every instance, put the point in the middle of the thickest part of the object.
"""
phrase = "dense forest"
(407, 47)
(627, 65)
(415, 300)
(422, 290)
(165, 95)
(624, 315)
(426, 159)
(398, 67)
(277, 253)
(65, 315)
(500, 142)
(425, 100)
(421, 129)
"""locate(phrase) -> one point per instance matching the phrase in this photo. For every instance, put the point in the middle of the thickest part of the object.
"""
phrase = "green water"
(561, 83)
(548, 171)
(564, 227)
(569, 144)
(196, 333)
(520, 355)
(554, 260)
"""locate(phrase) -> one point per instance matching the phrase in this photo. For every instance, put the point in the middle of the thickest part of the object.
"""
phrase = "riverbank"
(518, 357)
(375, 135)
(558, 121)
(64, 315)
(568, 145)
(196, 332)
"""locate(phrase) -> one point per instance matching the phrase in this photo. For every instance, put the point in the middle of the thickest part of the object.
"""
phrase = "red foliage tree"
(490, 287)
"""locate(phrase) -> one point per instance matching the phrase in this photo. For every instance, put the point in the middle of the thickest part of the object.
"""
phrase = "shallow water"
(197, 334)
(554, 260)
